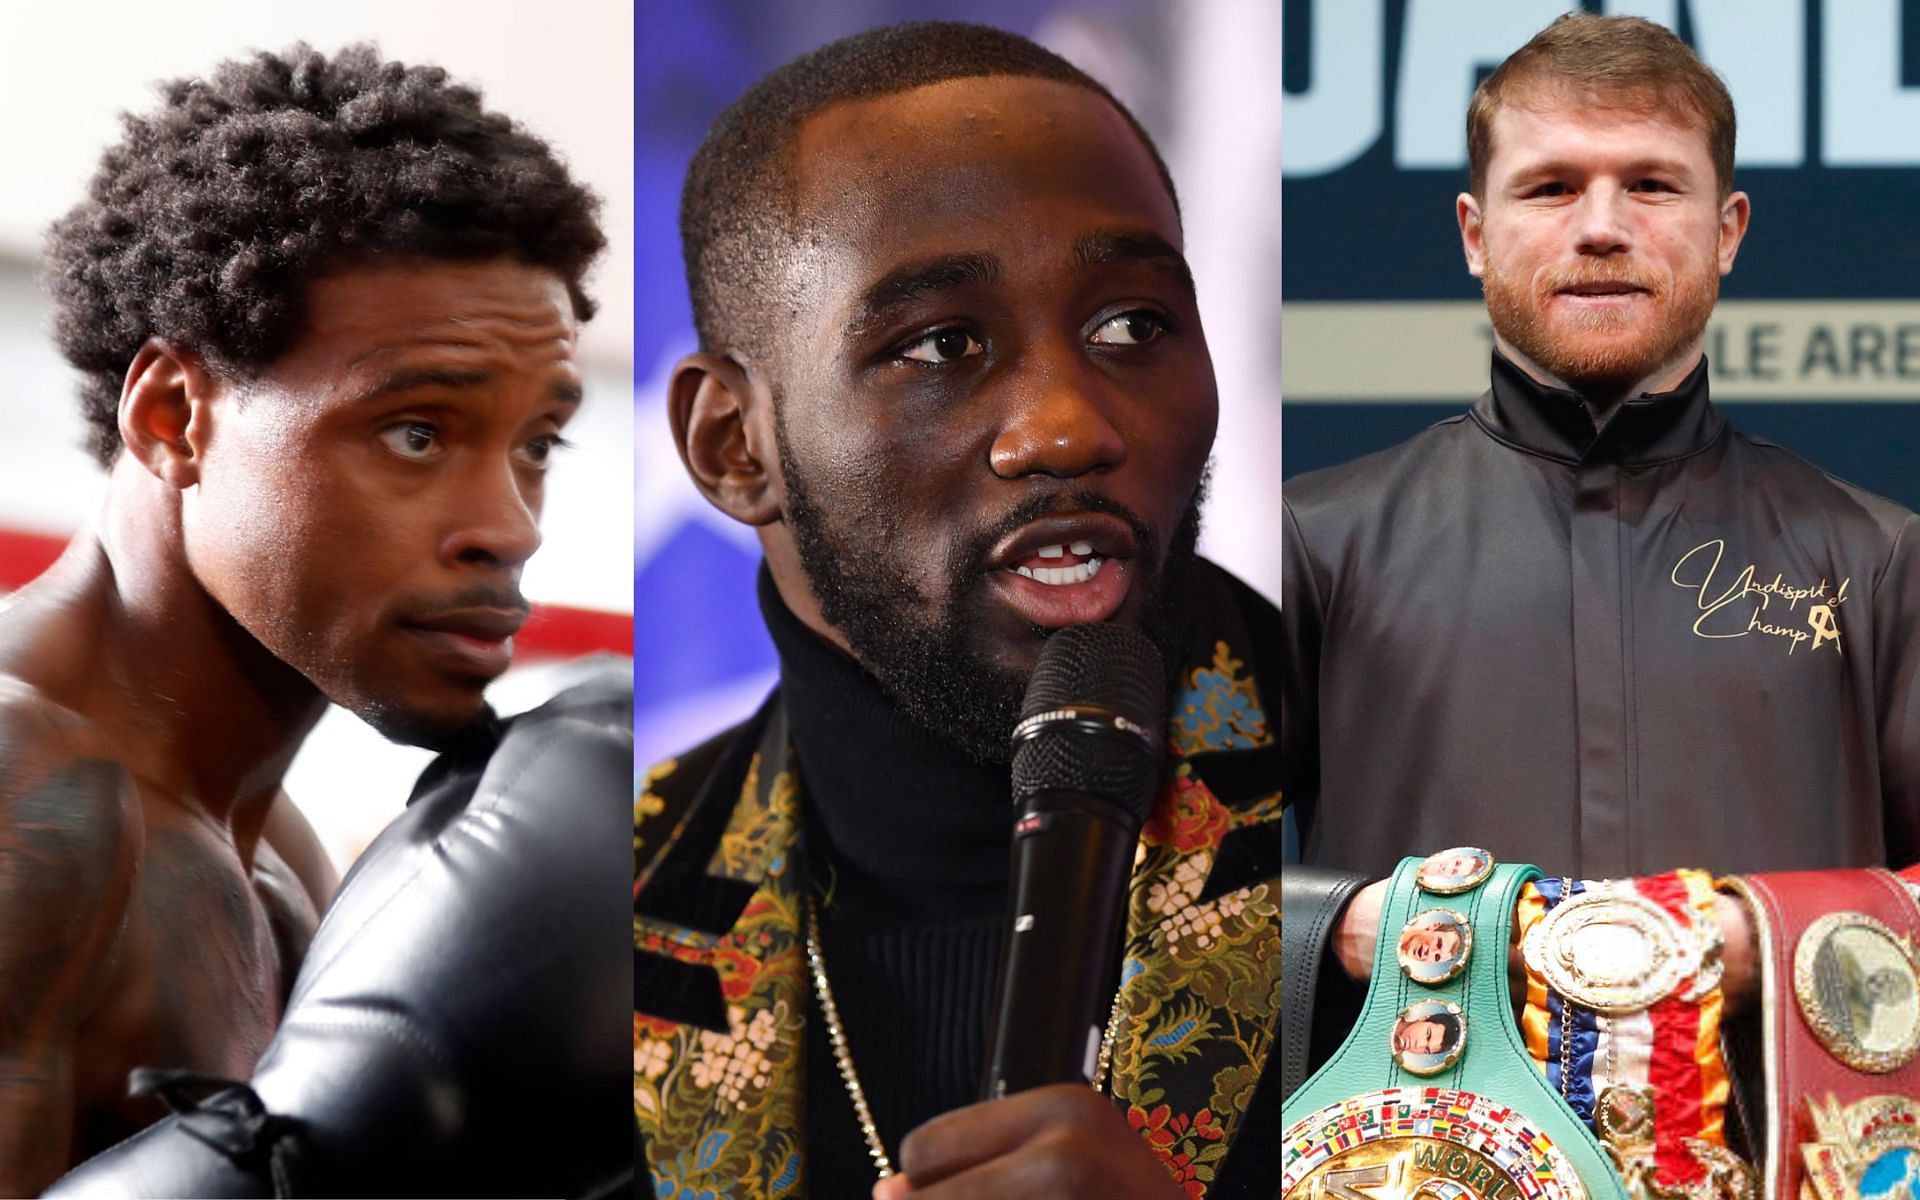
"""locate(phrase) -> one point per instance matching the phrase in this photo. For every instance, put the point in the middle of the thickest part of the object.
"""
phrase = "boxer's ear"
(723, 428)
(1734, 212)
(1473, 237)
(163, 411)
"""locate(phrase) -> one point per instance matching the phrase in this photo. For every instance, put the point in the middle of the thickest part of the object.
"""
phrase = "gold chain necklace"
(843, 1056)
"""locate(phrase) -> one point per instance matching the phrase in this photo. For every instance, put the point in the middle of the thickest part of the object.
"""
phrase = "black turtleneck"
(1561, 424)
(913, 841)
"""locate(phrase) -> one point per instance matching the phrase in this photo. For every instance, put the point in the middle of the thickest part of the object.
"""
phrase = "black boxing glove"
(461, 1025)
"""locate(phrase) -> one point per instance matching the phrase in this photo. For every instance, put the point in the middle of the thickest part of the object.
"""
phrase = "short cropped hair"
(1613, 62)
(208, 221)
(1450, 1027)
(736, 205)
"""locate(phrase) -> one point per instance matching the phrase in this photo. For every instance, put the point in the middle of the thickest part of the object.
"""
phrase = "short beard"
(933, 671)
(438, 734)
(1607, 366)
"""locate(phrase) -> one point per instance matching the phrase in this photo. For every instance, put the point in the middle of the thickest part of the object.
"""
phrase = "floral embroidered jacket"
(719, 961)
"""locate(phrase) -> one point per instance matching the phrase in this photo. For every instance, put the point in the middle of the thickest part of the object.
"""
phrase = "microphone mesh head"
(1103, 666)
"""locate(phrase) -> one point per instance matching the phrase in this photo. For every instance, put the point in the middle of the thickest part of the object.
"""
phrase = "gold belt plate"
(1415, 1143)
(1614, 953)
(1858, 986)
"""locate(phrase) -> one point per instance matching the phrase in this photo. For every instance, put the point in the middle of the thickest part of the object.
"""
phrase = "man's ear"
(164, 417)
(1734, 212)
(1466, 211)
(711, 403)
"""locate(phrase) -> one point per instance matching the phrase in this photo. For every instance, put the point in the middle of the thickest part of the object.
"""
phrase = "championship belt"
(1432, 1096)
(1623, 1019)
(1841, 1031)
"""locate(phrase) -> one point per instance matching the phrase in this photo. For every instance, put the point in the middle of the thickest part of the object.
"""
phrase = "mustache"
(1594, 276)
(504, 596)
(976, 553)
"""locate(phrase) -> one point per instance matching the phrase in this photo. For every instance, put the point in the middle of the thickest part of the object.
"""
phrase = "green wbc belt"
(1432, 1096)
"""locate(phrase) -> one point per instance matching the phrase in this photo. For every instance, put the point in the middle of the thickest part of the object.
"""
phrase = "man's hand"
(1740, 952)
(1061, 1141)
(1359, 931)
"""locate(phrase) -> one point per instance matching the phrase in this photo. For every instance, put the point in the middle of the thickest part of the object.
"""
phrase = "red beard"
(1600, 351)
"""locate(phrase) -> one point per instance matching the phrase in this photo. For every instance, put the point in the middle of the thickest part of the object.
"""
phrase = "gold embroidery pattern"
(720, 1112)
(1218, 708)
(1200, 988)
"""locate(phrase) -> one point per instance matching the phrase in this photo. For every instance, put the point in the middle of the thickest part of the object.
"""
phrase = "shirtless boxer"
(325, 314)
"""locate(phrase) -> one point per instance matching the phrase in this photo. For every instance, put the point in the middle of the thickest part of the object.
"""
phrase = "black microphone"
(1086, 765)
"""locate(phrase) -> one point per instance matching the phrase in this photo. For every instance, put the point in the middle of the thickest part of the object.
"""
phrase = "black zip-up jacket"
(1606, 650)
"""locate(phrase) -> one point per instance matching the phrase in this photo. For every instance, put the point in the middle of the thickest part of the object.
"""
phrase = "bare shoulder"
(58, 775)
(291, 837)
(70, 835)
(294, 878)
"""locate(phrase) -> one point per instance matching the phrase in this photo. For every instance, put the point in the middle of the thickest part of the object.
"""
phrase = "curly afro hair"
(736, 203)
(205, 225)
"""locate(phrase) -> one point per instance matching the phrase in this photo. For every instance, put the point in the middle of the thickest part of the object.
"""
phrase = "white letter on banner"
(1445, 44)
(1759, 47)
(1867, 119)
(1338, 117)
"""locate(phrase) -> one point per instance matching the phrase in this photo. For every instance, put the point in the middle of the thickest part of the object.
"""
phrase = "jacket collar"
(1557, 423)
